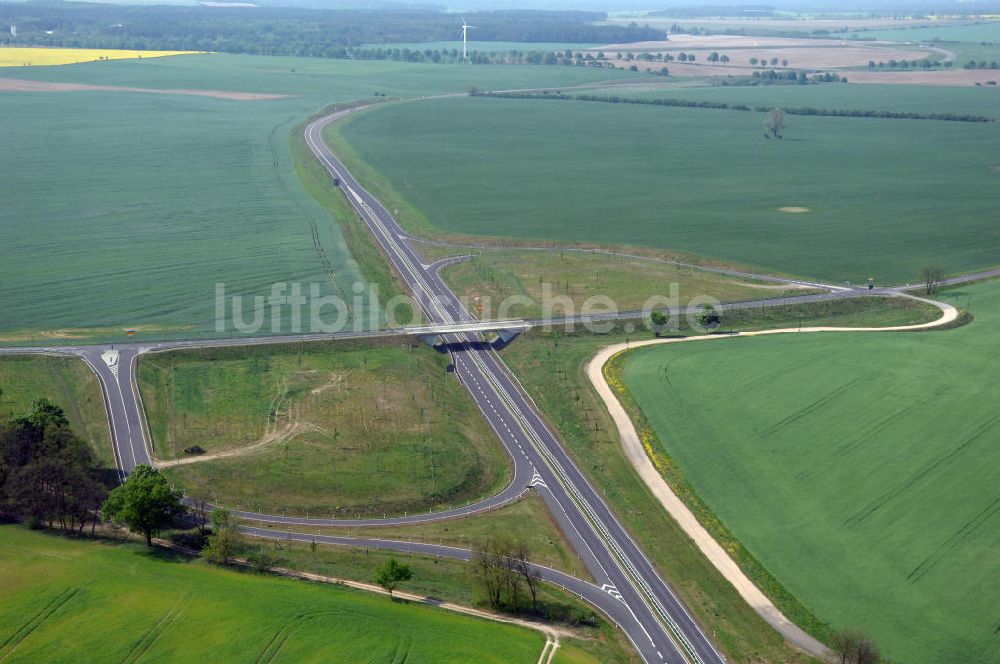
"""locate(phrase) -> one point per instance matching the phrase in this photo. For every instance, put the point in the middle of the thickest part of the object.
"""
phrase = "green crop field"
(859, 469)
(972, 32)
(332, 427)
(72, 601)
(124, 209)
(916, 98)
(66, 382)
(700, 181)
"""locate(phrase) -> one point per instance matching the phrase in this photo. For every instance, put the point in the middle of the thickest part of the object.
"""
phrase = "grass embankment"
(364, 253)
(15, 56)
(699, 180)
(547, 278)
(550, 365)
(121, 602)
(858, 469)
(66, 382)
(333, 428)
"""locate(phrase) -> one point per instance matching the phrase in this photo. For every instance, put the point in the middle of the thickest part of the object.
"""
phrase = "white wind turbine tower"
(465, 38)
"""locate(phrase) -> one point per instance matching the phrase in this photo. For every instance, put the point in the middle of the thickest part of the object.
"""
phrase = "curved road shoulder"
(711, 549)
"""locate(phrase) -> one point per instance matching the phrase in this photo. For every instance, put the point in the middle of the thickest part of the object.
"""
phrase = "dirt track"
(25, 85)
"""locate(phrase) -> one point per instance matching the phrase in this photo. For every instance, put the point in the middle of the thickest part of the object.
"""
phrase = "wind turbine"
(465, 38)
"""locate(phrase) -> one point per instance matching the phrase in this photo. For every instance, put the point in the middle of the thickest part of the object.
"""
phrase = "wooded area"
(289, 30)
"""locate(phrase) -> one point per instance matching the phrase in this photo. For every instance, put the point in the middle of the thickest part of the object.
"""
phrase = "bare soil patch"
(941, 77)
(25, 85)
(794, 209)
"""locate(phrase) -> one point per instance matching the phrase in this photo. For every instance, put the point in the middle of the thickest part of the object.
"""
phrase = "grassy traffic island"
(339, 428)
(853, 472)
(123, 602)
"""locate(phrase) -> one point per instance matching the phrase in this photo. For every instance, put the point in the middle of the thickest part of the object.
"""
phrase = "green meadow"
(124, 209)
(859, 469)
(972, 32)
(73, 601)
(346, 428)
(700, 181)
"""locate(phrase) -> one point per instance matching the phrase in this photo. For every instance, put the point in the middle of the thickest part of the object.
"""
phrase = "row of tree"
(886, 115)
(926, 63)
(721, 105)
(292, 30)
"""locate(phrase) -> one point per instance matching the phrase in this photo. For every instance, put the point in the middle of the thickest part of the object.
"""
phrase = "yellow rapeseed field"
(14, 56)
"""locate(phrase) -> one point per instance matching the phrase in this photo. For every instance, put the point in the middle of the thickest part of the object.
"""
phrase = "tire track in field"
(313, 222)
(861, 437)
(403, 646)
(919, 474)
(43, 614)
(967, 528)
(142, 646)
(815, 405)
(277, 642)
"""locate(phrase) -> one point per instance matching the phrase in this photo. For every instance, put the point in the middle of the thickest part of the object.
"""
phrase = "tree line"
(721, 105)
(290, 30)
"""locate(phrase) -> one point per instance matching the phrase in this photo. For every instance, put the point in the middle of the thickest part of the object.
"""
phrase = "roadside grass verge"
(365, 255)
(66, 382)
(123, 602)
(491, 276)
(336, 428)
(527, 521)
(551, 367)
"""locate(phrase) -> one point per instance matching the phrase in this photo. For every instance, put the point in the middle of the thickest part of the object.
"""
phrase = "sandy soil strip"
(550, 632)
(636, 455)
(937, 77)
(285, 434)
(25, 85)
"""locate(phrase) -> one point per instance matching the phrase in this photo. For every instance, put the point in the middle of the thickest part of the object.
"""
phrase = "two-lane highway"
(660, 627)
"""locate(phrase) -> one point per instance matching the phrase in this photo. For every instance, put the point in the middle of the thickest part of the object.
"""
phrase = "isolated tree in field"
(774, 62)
(658, 319)
(784, 63)
(713, 57)
(145, 503)
(725, 60)
(391, 574)
(708, 318)
(774, 123)
(931, 274)
(754, 61)
(225, 538)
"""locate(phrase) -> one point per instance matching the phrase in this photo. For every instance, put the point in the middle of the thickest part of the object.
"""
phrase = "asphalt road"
(630, 590)
(658, 625)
